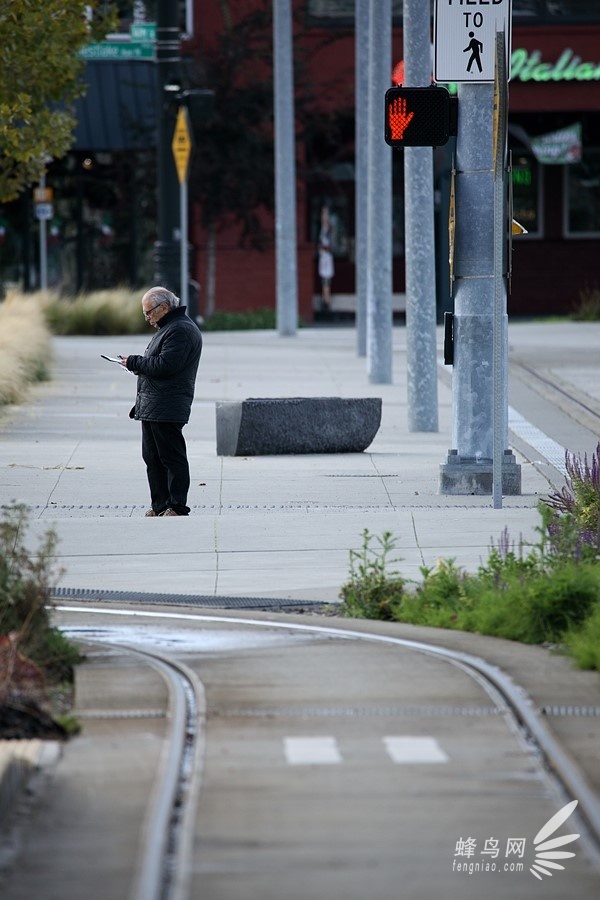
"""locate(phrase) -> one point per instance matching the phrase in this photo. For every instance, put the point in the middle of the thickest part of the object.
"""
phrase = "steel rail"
(559, 765)
(163, 869)
(555, 386)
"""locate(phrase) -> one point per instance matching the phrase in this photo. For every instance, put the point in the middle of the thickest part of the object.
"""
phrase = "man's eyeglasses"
(152, 308)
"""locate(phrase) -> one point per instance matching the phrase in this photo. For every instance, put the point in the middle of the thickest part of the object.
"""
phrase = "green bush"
(583, 642)
(25, 585)
(118, 311)
(99, 313)
(536, 609)
(579, 500)
(372, 592)
(441, 601)
(241, 321)
(588, 307)
(534, 594)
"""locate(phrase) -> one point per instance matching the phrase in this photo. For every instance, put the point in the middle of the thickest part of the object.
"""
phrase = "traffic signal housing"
(419, 116)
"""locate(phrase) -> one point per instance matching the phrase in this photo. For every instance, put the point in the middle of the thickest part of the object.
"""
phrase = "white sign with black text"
(465, 39)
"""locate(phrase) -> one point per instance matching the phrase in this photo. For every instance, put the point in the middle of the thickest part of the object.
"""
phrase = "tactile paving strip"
(356, 711)
(570, 711)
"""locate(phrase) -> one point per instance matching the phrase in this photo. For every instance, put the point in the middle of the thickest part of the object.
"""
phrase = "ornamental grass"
(25, 346)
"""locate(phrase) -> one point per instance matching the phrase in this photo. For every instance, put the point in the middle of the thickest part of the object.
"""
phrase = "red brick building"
(555, 84)
(104, 190)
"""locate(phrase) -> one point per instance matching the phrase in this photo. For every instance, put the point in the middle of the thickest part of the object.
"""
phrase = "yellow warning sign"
(182, 144)
(43, 195)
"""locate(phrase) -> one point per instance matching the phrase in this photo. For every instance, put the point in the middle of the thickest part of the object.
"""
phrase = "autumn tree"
(39, 80)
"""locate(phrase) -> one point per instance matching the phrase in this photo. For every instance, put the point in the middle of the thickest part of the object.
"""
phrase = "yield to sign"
(465, 38)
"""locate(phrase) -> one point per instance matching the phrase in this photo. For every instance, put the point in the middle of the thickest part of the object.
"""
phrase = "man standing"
(165, 390)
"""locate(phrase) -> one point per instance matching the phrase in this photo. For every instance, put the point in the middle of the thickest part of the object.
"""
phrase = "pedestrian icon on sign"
(475, 47)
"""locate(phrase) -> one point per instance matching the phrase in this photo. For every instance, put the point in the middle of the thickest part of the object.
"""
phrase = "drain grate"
(88, 595)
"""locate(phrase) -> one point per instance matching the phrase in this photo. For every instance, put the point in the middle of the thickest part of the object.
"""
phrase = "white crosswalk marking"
(307, 751)
(408, 749)
(402, 749)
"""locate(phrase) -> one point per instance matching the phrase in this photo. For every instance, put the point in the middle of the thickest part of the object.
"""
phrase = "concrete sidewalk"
(259, 526)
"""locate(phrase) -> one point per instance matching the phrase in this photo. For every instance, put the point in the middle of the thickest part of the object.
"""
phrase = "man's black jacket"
(167, 370)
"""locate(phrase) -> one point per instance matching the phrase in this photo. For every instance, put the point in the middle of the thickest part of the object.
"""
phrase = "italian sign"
(465, 39)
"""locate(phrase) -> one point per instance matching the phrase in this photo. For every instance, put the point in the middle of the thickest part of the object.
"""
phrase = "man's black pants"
(164, 452)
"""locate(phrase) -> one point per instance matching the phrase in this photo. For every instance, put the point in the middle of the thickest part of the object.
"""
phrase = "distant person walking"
(326, 263)
(165, 390)
(475, 47)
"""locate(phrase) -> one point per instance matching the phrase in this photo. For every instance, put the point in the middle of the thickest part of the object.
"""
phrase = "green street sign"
(142, 31)
(112, 50)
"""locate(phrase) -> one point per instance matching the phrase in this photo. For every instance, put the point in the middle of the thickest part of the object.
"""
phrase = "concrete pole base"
(467, 475)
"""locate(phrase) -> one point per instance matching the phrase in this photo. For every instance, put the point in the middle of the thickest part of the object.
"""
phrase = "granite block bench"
(274, 426)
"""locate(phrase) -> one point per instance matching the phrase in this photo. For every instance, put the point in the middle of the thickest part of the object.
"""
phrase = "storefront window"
(137, 11)
(342, 11)
(336, 12)
(398, 231)
(339, 215)
(527, 8)
(583, 196)
(573, 9)
(526, 194)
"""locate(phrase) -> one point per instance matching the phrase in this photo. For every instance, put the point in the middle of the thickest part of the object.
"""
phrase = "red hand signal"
(419, 117)
(399, 119)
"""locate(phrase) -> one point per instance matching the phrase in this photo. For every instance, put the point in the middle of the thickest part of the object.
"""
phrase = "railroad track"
(164, 866)
(163, 870)
(578, 400)
(575, 403)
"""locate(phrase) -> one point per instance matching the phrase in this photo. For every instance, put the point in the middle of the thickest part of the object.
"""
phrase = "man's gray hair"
(162, 295)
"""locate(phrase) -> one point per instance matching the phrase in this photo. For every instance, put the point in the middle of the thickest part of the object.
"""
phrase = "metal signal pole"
(285, 170)
(379, 201)
(168, 67)
(361, 143)
(421, 353)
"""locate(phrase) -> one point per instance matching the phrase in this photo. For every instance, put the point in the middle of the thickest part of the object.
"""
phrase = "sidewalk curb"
(19, 760)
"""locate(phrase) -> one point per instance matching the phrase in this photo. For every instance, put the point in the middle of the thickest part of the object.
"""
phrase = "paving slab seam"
(217, 555)
(62, 470)
(419, 548)
(380, 476)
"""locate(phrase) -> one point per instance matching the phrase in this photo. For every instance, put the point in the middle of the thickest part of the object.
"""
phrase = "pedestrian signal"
(419, 116)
